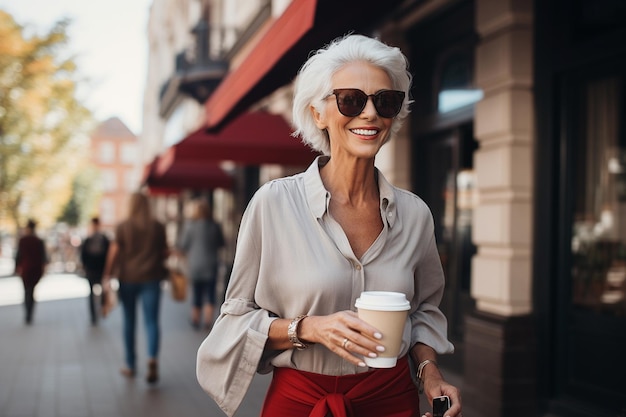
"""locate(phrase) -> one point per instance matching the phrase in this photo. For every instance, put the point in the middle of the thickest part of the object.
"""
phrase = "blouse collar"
(318, 197)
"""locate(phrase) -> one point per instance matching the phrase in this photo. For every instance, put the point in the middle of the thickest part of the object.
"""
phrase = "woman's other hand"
(435, 386)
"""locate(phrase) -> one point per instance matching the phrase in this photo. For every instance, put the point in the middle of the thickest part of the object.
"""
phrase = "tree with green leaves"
(82, 203)
(43, 125)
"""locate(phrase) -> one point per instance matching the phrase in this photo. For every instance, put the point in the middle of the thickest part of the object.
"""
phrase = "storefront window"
(599, 229)
(456, 86)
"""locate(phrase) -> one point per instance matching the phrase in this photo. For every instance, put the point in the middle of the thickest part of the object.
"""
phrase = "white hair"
(314, 82)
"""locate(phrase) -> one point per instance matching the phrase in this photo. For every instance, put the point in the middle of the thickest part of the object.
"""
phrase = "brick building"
(115, 154)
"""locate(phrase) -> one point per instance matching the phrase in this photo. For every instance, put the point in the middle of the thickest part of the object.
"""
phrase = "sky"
(109, 40)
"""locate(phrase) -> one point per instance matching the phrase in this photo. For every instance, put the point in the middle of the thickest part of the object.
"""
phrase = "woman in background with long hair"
(138, 255)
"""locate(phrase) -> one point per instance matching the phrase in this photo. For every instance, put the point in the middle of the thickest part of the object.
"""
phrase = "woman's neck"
(350, 180)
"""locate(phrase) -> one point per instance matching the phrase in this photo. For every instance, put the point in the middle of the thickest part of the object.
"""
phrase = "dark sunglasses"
(352, 101)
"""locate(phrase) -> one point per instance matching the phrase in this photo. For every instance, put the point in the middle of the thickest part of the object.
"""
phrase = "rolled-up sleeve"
(233, 350)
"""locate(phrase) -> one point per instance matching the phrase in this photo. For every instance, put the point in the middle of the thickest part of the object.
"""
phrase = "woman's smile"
(366, 133)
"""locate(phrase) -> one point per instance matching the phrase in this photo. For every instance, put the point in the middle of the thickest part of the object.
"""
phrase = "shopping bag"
(109, 292)
(178, 284)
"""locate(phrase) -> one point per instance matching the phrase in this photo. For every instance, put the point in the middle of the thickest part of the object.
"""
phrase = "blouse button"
(357, 266)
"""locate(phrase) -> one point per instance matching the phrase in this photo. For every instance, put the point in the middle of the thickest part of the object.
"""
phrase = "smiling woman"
(310, 244)
(364, 129)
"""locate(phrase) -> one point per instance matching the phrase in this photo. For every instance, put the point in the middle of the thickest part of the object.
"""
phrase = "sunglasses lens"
(388, 103)
(350, 102)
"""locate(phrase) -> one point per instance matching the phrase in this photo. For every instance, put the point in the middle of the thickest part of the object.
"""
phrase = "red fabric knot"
(377, 393)
(337, 404)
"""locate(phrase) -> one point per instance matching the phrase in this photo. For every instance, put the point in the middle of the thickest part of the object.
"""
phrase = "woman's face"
(363, 135)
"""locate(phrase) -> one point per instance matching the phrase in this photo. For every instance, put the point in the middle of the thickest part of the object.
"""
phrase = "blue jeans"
(150, 293)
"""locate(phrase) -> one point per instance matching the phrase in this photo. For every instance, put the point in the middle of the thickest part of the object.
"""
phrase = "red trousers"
(378, 393)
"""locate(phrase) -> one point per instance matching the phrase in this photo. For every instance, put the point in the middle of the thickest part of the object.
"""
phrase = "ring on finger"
(345, 342)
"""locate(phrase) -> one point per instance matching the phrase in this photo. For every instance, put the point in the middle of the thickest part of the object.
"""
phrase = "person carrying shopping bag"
(137, 257)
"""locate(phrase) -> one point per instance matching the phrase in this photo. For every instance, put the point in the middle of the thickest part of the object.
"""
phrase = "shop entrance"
(444, 93)
(593, 222)
(445, 180)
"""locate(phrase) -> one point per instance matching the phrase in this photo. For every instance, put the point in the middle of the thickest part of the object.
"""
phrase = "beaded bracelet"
(420, 371)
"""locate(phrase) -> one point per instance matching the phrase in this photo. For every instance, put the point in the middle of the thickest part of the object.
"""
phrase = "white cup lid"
(380, 362)
(383, 300)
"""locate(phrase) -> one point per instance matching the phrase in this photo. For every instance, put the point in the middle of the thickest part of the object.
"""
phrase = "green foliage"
(81, 205)
(71, 212)
(43, 125)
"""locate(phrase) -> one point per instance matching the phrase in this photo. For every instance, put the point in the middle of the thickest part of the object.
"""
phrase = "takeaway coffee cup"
(387, 312)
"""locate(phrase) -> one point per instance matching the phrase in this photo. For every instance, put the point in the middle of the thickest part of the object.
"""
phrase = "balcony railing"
(196, 73)
(200, 69)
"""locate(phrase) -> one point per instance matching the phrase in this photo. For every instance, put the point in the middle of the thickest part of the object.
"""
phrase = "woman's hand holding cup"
(345, 334)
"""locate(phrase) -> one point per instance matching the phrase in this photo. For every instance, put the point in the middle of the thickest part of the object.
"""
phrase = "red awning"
(306, 25)
(253, 138)
(194, 175)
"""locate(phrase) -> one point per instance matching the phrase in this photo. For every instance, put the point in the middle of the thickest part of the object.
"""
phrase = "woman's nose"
(369, 111)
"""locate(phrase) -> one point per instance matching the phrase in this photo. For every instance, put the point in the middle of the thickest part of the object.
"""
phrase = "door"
(591, 342)
(445, 180)
(444, 93)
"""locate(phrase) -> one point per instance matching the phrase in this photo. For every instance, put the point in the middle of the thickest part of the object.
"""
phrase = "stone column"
(394, 158)
(503, 222)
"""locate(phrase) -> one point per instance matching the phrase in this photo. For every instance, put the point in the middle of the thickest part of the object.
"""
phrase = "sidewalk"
(61, 366)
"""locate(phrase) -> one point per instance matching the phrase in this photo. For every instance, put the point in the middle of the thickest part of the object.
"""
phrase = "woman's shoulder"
(400, 196)
(412, 208)
(408, 198)
(277, 197)
(280, 188)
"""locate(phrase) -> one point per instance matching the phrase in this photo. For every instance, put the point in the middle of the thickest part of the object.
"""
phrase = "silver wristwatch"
(292, 333)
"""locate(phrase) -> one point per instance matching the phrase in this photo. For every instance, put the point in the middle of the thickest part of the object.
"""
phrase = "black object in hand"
(440, 405)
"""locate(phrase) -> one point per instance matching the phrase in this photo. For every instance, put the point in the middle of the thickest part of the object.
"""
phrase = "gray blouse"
(293, 258)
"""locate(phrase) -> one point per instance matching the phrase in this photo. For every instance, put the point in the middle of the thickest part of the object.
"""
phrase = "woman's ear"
(318, 118)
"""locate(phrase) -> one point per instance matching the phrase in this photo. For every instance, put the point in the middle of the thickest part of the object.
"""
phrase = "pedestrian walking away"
(309, 245)
(137, 258)
(93, 254)
(30, 262)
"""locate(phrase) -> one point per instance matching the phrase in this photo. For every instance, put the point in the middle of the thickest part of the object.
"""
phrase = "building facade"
(114, 154)
(517, 143)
